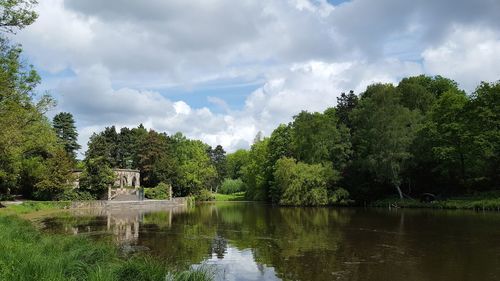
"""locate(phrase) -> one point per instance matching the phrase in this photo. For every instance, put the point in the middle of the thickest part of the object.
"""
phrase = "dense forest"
(423, 135)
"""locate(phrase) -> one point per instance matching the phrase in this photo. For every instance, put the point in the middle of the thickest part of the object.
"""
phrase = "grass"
(239, 196)
(27, 254)
(485, 201)
(35, 206)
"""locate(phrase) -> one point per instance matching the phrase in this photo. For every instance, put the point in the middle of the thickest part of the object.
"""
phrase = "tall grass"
(27, 254)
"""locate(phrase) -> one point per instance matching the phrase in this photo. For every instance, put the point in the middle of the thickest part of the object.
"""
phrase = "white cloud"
(312, 86)
(124, 53)
(468, 55)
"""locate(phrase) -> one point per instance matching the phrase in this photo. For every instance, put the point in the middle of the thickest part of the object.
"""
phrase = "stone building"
(126, 185)
(127, 178)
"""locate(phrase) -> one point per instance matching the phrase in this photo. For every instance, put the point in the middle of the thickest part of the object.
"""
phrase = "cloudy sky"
(222, 70)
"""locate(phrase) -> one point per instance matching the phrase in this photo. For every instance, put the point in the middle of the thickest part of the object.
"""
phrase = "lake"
(253, 241)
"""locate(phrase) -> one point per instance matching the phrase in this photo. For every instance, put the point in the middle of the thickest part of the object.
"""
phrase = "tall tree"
(316, 139)
(384, 131)
(64, 126)
(16, 14)
(151, 151)
(345, 104)
(97, 176)
(105, 145)
(235, 162)
(218, 158)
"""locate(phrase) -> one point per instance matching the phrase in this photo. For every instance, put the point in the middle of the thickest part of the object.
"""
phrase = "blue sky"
(223, 70)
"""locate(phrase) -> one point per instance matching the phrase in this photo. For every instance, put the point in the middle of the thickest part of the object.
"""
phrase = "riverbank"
(481, 202)
(28, 254)
(239, 196)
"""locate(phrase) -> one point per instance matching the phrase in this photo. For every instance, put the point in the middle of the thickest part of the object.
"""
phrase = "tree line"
(423, 135)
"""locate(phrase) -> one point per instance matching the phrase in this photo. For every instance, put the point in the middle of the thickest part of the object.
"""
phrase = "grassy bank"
(489, 202)
(28, 254)
(239, 196)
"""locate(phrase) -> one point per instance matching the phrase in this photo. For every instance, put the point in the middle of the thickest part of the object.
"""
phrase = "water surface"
(252, 241)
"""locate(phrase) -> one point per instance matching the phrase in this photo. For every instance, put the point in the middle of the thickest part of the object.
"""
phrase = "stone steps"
(125, 197)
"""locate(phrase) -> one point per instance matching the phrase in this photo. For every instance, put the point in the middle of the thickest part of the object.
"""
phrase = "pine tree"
(64, 125)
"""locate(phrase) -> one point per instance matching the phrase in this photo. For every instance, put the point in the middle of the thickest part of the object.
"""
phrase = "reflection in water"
(250, 241)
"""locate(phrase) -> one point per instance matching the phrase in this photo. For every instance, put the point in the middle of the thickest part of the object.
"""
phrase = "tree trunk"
(399, 191)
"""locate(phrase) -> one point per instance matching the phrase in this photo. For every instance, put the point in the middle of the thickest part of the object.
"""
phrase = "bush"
(230, 186)
(6, 197)
(74, 195)
(161, 192)
(340, 197)
(205, 195)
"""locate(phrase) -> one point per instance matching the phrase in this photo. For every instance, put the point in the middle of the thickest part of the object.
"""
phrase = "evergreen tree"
(64, 126)
(218, 158)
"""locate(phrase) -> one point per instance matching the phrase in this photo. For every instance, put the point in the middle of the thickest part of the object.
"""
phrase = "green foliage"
(205, 195)
(218, 158)
(64, 126)
(316, 138)
(161, 192)
(238, 196)
(195, 169)
(33, 206)
(16, 14)
(153, 149)
(230, 186)
(384, 132)
(27, 141)
(235, 162)
(340, 196)
(485, 201)
(74, 195)
(56, 178)
(345, 104)
(256, 172)
(96, 177)
(302, 184)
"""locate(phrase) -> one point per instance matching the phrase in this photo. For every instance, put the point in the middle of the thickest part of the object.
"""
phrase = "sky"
(223, 70)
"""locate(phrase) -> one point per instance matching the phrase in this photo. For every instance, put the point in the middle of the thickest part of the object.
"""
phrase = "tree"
(449, 135)
(255, 172)
(195, 169)
(57, 176)
(16, 14)
(235, 162)
(27, 140)
(316, 139)
(105, 145)
(218, 158)
(280, 145)
(151, 151)
(97, 176)
(65, 129)
(302, 184)
(483, 121)
(345, 104)
(384, 131)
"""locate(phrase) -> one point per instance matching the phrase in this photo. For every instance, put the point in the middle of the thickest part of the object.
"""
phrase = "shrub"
(230, 186)
(340, 197)
(6, 197)
(161, 192)
(205, 195)
(74, 195)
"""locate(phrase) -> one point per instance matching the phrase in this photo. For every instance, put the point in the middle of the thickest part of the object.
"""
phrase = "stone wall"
(145, 204)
